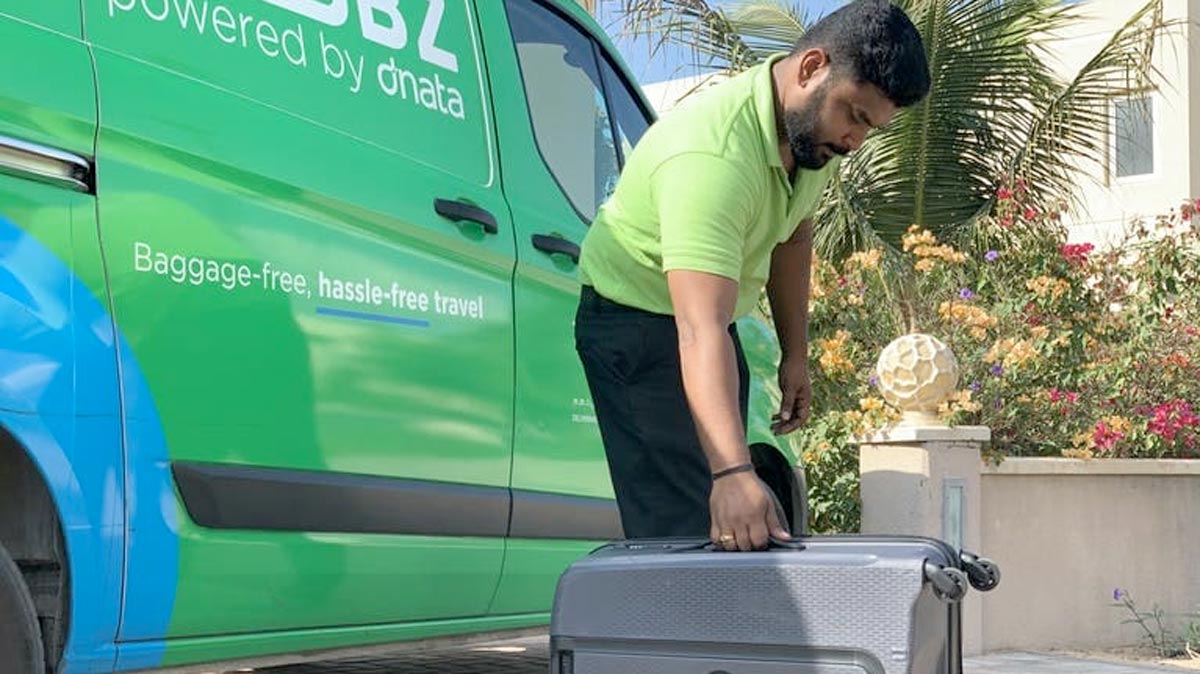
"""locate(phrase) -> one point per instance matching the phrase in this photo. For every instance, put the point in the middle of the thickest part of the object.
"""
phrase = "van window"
(629, 119)
(567, 104)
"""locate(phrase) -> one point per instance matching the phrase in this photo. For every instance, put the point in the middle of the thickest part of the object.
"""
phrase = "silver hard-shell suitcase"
(816, 605)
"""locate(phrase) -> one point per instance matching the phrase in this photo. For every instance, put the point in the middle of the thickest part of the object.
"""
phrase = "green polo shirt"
(704, 190)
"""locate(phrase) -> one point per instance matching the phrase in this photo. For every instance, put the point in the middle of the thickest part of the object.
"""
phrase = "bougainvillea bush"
(1065, 349)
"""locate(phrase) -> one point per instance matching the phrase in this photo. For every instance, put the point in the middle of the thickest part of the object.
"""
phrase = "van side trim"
(544, 515)
(31, 161)
(226, 496)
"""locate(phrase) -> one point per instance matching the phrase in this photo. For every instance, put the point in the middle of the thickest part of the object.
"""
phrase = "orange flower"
(834, 358)
(1048, 285)
(977, 319)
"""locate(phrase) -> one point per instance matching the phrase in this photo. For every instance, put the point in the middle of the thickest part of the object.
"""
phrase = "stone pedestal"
(925, 481)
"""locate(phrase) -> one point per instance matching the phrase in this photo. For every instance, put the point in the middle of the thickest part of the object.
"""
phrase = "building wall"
(1108, 202)
(1192, 35)
(667, 94)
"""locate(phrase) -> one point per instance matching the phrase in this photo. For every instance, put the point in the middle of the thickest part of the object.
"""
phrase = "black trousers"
(659, 472)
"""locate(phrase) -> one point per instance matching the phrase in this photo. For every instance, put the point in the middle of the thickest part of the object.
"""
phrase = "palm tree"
(997, 112)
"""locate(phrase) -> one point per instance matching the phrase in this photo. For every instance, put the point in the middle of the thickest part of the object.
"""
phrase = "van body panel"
(59, 16)
(59, 395)
(303, 312)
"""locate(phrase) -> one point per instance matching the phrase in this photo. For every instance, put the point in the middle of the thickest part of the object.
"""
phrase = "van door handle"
(556, 244)
(459, 211)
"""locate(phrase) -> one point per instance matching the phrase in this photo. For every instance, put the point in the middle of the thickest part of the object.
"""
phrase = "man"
(714, 203)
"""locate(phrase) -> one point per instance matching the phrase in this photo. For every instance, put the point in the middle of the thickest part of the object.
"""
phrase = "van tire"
(20, 635)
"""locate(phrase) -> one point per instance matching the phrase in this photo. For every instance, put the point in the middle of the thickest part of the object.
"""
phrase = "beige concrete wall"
(1067, 532)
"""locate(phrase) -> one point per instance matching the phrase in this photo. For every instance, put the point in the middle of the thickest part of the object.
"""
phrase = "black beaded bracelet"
(740, 468)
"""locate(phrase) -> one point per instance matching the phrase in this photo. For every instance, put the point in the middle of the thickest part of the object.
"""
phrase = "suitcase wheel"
(949, 584)
(983, 573)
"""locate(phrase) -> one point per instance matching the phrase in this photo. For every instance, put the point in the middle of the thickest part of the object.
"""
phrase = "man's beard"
(801, 129)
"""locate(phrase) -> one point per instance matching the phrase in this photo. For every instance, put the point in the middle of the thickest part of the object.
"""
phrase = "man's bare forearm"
(710, 380)
(788, 291)
(704, 305)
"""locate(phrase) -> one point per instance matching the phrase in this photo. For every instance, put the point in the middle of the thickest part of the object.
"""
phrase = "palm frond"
(1073, 127)
(768, 26)
(997, 108)
(935, 164)
(704, 30)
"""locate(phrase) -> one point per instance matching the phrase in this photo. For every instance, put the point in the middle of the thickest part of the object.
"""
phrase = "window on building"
(1133, 137)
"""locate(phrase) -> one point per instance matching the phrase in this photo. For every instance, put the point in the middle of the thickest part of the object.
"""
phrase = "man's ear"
(811, 62)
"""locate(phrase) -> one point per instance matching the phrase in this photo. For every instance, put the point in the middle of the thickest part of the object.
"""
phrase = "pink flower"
(1169, 418)
(1004, 194)
(1058, 395)
(1075, 253)
(1030, 213)
(1105, 436)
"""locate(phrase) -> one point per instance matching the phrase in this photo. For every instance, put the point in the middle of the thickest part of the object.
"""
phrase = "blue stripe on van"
(61, 401)
(378, 318)
(154, 513)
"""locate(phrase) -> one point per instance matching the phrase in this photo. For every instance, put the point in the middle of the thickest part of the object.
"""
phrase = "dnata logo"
(381, 22)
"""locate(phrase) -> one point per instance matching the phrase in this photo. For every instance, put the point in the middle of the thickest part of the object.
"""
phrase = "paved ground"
(1037, 663)
(529, 656)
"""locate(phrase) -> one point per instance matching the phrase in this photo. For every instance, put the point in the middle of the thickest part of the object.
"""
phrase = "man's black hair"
(873, 41)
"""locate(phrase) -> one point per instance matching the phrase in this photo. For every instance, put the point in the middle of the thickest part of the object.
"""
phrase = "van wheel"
(20, 636)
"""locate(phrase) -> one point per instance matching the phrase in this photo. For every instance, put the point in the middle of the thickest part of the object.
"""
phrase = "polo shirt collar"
(764, 104)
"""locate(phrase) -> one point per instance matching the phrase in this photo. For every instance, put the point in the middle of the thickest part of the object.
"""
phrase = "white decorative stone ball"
(916, 373)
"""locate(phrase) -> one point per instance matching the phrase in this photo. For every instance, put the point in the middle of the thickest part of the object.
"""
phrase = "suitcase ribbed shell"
(870, 610)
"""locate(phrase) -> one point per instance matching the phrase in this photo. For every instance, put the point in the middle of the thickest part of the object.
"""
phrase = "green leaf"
(996, 108)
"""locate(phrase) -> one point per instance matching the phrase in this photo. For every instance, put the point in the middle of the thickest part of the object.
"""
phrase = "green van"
(286, 292)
